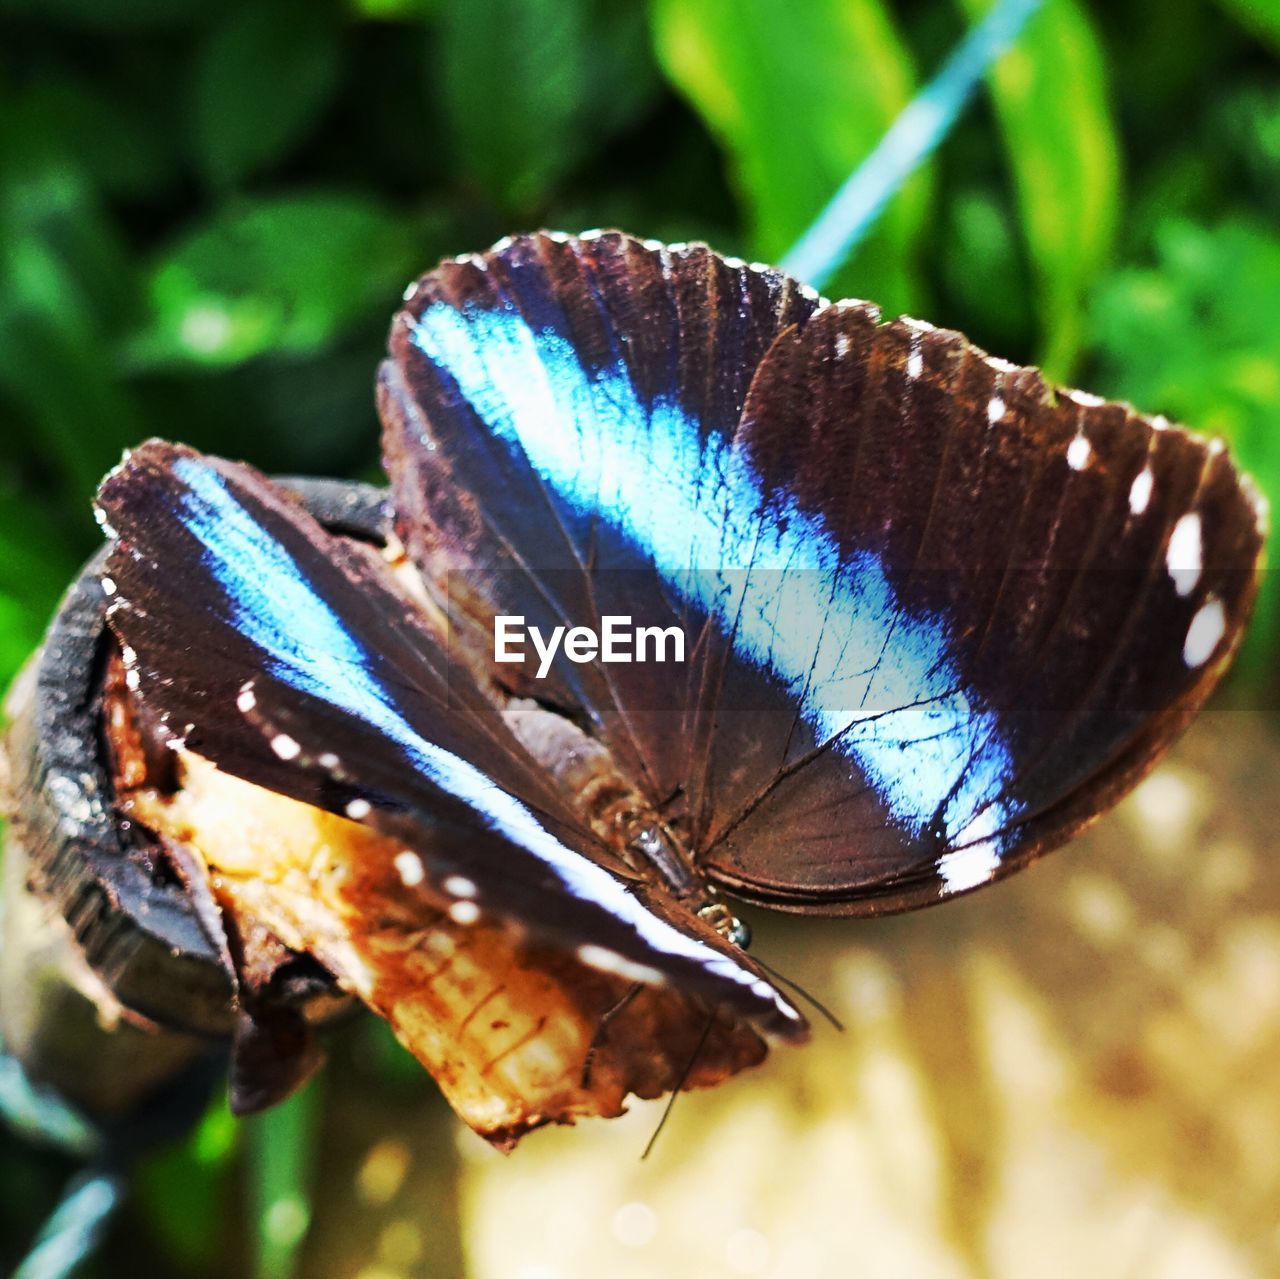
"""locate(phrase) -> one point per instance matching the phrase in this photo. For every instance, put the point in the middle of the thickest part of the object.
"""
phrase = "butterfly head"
(651, 845)
(726, 923)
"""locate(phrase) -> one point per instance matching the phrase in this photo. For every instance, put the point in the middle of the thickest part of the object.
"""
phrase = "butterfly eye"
(726, 923)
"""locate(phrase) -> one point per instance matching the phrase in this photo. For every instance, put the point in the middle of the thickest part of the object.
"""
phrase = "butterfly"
(938, 615)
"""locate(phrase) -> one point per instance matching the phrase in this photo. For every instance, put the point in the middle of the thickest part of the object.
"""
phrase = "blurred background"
(207, 214)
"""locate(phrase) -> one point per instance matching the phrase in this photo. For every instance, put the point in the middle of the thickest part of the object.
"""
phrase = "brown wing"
(939, 615)
(551, 351)
(1078, 575)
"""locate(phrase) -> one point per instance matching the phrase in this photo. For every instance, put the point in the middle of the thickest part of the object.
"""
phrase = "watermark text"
(618, 640)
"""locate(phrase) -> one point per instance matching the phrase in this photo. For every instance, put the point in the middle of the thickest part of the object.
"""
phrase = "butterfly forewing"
(548, 407)
(285, 656)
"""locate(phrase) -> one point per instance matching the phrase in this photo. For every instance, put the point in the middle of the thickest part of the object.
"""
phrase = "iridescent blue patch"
(867, 673)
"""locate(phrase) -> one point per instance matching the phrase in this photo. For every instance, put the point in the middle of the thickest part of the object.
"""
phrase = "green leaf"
(1262, 17)
(982, 269)
(1247, 121)
(121, 146)
(118, 15)
(31, 584)
(37, 561)
(798, 95)
(395, 10)
(281, 1149)
(259, 85)
(65, 293)
(1050, 95)
(532, 87)
(1197, 337)
(184, 1191)
(288, 275)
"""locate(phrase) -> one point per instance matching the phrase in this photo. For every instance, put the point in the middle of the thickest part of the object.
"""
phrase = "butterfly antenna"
(598, 1038)
(800, 990)
(684, 1079)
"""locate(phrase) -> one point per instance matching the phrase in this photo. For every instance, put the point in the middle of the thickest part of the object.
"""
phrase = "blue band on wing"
(826, 622)
(306, 645)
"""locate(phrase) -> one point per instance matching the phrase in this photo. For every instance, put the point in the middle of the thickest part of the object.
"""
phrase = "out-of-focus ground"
(1072, 1074)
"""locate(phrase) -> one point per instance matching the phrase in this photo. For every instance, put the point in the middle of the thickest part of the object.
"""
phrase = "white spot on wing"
(968, 867)
(359, 809)
(1207, 628)
(1184, 557)
(1140, 491)
(1086, 398)
(285, 746)
(246, 701)
(101, 516)
(108, 586)
(464, 912)
(995, 409)
(409, 867)
(459, 886)
(1078, 453)
(609, 961)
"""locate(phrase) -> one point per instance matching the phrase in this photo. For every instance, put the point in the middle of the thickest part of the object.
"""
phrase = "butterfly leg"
(602, 1029)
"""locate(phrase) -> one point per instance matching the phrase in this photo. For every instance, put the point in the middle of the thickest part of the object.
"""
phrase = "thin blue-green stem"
(74, 1228)
(39, 1114)
(923, 123)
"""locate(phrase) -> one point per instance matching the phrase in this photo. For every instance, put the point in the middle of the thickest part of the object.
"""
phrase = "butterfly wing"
(941, 615)
(284, 655)
(520, 382)
(1014, 599)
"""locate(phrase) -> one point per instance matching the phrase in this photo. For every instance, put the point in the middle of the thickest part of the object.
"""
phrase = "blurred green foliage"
(1063, 166)
(208, 210)
(772, 80)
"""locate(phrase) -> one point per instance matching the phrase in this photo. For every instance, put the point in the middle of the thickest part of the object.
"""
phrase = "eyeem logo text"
(617, 641)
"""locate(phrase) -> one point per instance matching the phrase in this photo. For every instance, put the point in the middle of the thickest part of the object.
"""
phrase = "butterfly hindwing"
(1055, 584)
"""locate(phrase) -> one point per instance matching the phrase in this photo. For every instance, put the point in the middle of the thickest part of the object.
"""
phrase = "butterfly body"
(618, 813)
(937, 616)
